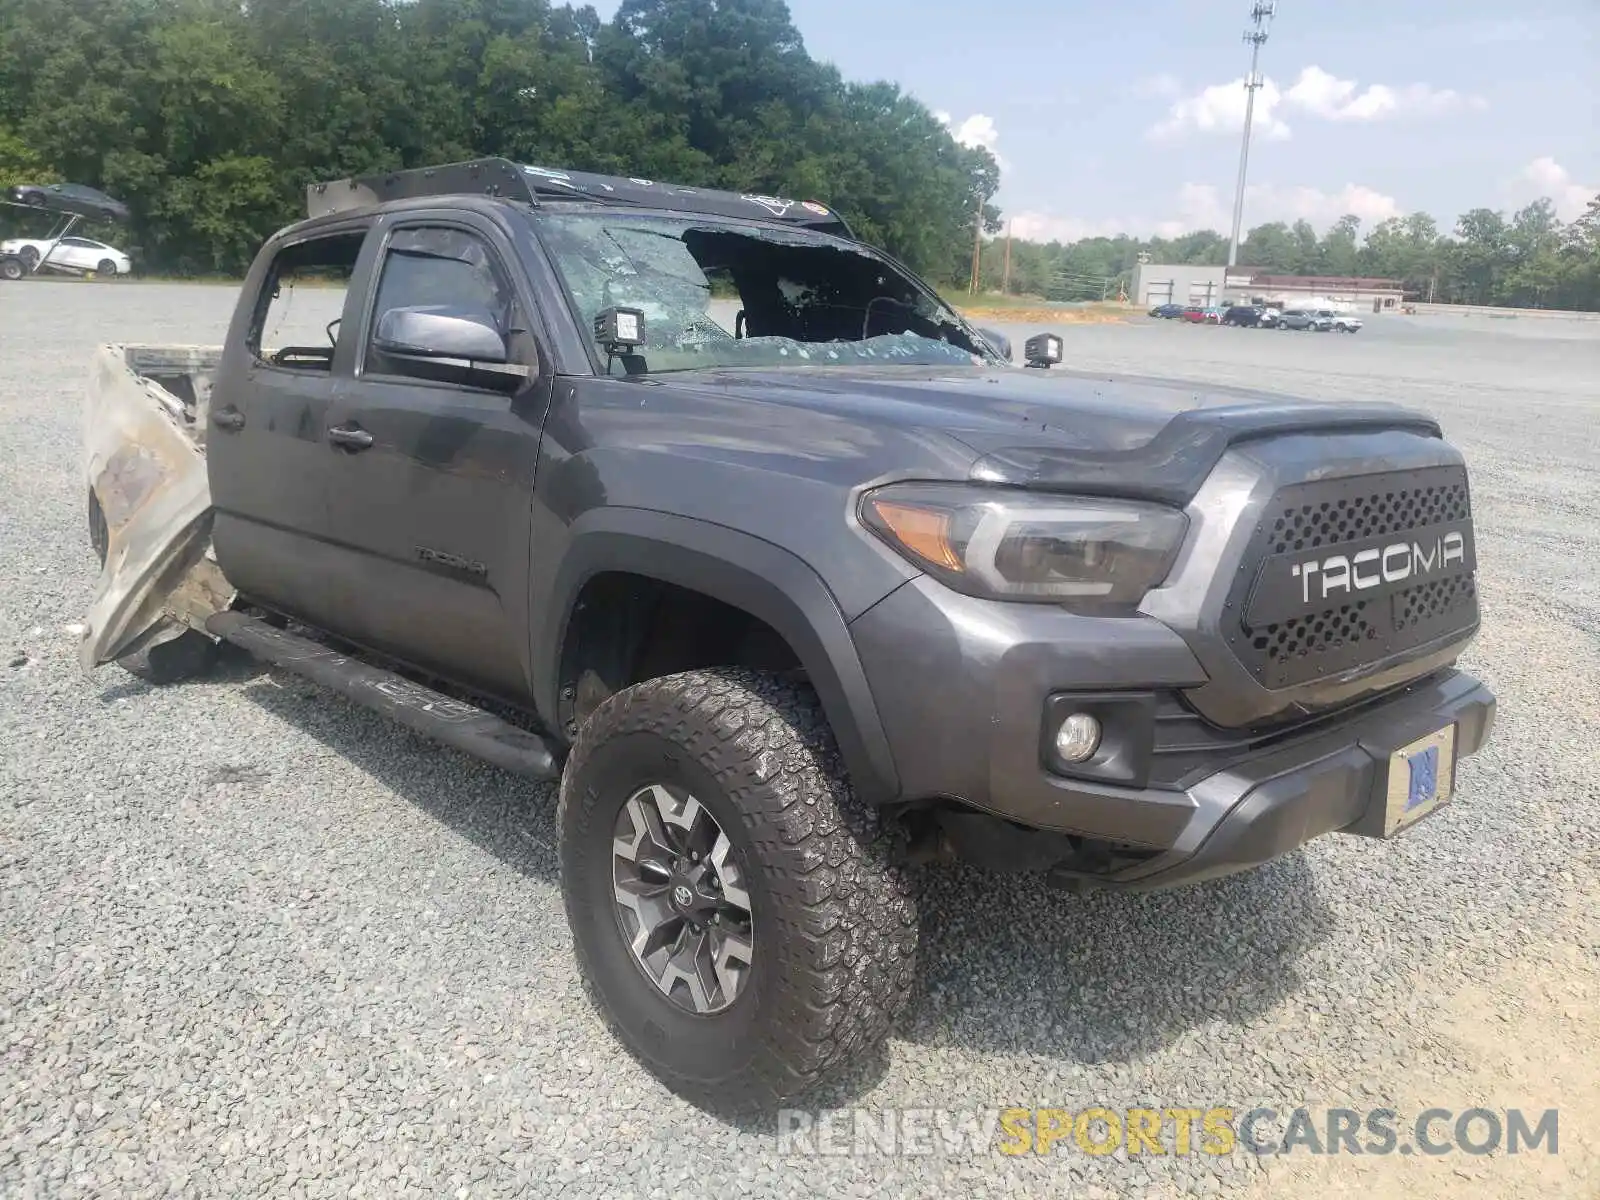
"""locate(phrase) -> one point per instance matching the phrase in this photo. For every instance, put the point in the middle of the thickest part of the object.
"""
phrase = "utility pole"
(1005, 280)
(977, 240)
(1261, 16)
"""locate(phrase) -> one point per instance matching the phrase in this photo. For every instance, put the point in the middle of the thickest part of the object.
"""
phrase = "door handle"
(350, 438)
(230, 419)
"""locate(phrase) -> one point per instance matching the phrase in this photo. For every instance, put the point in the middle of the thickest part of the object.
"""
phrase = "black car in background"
(75, 198)
(1167, 312)
(1244, 315)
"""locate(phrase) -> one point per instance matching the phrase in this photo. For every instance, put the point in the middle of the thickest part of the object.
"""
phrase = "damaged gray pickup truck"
(699, 505)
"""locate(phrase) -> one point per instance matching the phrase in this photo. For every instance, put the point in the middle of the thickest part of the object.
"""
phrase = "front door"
(268, 457)
(431, 490)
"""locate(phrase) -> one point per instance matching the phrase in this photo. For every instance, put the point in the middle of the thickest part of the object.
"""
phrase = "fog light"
(1078, 738)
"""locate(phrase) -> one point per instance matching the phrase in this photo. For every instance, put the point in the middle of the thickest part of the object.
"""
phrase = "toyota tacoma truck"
(701, 506)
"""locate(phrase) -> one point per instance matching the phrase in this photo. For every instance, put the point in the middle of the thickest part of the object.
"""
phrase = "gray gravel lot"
(256, 941)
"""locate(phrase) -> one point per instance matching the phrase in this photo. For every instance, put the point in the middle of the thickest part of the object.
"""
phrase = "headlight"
(1088, 554)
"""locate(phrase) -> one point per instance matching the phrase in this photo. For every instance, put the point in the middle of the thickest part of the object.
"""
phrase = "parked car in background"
(1167, 311)
(1305, 318)
(74, 198)
(1242, 315)
(1211, 316)
(76, 255)
(1343, 323)
(1271, 316)
(1199, 314)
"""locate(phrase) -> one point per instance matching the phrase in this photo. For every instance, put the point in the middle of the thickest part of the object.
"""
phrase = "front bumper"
(963, 686)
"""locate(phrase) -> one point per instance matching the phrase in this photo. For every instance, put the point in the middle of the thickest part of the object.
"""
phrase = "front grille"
(1311, 526)
(1432, 601)
(1349, 572)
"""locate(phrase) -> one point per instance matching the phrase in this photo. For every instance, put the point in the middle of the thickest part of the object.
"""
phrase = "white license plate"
(1421, 779)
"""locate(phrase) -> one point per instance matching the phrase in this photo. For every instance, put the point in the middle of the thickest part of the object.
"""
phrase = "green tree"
(1482, 255)
(1271, 248)
(1339, 254)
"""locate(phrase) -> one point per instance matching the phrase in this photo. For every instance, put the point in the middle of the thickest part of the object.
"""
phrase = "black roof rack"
(535, 185)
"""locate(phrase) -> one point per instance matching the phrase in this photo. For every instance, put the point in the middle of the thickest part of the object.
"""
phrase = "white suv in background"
(75, 254)
(1341, 322)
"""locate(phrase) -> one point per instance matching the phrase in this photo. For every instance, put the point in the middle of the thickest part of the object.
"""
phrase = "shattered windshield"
(724, 294)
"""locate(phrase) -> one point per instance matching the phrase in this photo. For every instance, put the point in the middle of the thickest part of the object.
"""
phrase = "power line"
(1261, 16)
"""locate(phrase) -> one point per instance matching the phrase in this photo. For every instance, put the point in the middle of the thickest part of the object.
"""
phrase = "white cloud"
(1546, 177)
(1333, 99)
(1220, 109)
(977, 130)
(1050, 227)
(1315, 92)
(1203, 206)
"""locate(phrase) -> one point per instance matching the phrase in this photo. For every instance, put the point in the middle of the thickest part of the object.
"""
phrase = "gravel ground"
(255, 941)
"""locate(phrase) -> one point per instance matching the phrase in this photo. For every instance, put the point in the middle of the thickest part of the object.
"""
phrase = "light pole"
(1261, 16)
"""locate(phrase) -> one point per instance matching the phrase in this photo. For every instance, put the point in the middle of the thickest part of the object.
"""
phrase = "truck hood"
(1058, 429)
(1059, 408)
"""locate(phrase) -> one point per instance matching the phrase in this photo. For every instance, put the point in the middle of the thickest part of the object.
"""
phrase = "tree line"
(209, 117)
(1530, 259)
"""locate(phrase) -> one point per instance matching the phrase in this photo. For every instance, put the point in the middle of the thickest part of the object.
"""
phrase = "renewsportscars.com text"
(1178, 1131)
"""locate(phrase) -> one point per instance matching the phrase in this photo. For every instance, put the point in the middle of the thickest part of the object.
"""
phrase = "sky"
(1126, 117)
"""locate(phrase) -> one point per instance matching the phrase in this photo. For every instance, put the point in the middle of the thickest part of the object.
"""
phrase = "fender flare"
(741, 570)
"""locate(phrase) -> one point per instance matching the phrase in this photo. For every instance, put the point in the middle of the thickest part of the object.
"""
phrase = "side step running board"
(453, 722)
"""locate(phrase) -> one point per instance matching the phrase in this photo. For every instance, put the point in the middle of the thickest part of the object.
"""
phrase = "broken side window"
(295, 324)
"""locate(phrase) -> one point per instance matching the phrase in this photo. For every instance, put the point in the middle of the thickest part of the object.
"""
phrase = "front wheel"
(106, 267)
(30, 258)
(737, 911)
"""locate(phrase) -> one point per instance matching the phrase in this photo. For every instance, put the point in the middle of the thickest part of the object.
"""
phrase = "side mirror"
(440, 331)
(999, 341)
(1043, 351)
(448, 343)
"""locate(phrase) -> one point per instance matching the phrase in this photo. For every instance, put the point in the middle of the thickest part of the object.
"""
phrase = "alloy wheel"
(681, 899)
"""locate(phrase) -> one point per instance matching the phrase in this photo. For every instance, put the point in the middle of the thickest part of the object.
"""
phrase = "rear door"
(431, 507)
(266, 439)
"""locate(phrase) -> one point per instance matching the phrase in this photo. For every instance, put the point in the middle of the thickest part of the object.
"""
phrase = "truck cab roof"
(499, 179)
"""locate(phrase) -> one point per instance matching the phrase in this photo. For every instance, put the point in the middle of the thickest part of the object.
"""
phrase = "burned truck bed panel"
(149, 498)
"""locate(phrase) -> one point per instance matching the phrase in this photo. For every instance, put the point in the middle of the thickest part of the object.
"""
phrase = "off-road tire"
(833, 913)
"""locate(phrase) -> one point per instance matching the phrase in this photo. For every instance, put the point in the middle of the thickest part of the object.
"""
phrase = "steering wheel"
(333, 338)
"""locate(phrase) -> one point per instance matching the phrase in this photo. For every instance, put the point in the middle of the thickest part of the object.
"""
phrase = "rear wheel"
(11, 268)
(737, 912)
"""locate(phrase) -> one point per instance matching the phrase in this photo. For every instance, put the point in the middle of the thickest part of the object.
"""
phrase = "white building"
(1208, 286)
